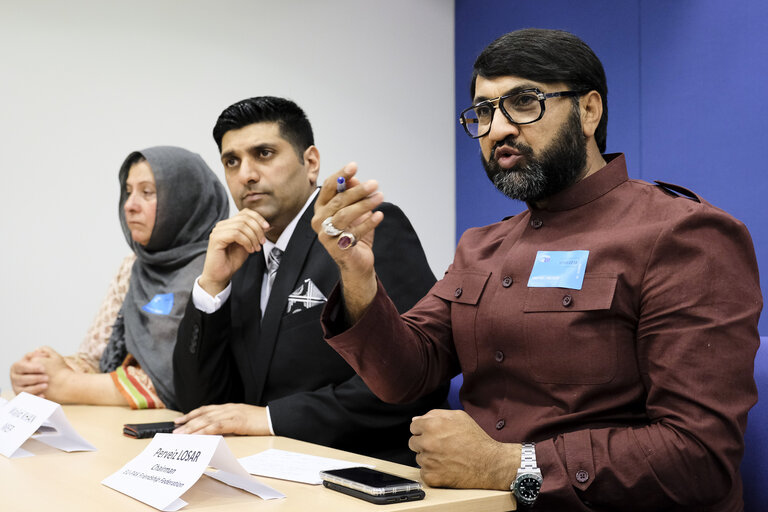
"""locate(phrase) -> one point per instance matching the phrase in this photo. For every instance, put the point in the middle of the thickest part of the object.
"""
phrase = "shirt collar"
(590, 188)
(285, 236)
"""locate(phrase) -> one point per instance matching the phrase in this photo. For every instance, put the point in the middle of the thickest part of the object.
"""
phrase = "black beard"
(559, 166)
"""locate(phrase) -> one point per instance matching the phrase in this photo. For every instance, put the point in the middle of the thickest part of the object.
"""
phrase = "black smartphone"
(372, 485)
(143, 430)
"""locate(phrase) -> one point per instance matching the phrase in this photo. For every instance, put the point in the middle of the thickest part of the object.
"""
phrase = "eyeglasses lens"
(522, 108)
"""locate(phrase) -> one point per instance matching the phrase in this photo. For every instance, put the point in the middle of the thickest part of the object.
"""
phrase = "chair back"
(453, 392)
(754, 466)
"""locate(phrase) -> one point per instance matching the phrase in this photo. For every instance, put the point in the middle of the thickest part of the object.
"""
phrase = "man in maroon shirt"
(606, 335)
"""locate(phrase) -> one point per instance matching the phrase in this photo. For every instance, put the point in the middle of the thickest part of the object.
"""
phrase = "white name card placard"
(29, 416)
(172, 463)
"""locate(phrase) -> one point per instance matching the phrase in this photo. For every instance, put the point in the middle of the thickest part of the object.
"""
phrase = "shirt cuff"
(206, 303)
(269, 422)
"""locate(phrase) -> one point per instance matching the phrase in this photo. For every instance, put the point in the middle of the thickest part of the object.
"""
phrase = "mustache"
(253, 189)
(510, 142)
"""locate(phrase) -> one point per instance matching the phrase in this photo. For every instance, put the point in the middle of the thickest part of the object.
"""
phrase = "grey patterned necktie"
(273, 261)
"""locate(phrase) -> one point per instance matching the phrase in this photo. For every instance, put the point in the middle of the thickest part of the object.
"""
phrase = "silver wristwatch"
(528, 482)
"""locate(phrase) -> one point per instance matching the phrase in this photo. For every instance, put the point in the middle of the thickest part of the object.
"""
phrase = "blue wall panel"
(686, 97)
(705, 107)
(618, 46)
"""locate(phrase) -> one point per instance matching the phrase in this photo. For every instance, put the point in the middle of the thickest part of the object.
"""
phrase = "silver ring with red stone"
(330, 229)
(346, 240)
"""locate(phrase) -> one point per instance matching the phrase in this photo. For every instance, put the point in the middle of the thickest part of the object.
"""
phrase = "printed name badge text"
(559, 269)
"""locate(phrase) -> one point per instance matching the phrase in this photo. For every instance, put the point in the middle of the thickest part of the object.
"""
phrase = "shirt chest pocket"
(570, 335)
(463, 289)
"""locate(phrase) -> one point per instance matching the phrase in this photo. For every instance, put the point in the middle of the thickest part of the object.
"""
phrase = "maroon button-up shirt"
(635, 388)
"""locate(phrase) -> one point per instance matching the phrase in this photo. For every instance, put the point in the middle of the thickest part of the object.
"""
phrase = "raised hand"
(351, 214)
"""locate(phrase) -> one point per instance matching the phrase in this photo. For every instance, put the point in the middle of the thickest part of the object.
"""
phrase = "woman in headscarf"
(170, 201)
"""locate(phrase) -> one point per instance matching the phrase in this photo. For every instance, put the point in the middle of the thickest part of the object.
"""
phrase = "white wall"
(83, 83)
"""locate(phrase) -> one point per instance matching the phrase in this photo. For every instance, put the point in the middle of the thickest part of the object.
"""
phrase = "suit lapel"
(246, 312)
(286, 280)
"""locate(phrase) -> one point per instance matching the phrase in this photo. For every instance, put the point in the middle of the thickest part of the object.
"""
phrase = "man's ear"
(312, 163)
(591, 110)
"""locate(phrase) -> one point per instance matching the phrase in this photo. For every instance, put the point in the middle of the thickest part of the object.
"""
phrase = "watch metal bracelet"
(528, 457)
(528, 482)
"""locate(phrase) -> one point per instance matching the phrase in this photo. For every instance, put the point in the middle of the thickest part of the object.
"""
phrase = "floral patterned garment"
(132, 382)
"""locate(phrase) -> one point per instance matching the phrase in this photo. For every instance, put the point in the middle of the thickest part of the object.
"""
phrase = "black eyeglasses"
(522, 107)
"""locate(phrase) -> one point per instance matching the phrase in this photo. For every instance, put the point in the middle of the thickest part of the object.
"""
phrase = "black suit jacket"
(283, 361)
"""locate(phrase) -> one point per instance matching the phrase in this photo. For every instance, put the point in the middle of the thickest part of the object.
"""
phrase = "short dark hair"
(292, 121)
(547, 56)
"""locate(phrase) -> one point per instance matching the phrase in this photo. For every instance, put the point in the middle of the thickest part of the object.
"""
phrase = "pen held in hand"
(341, 185)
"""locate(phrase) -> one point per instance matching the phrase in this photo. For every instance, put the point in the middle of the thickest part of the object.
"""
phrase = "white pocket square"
(306, 296)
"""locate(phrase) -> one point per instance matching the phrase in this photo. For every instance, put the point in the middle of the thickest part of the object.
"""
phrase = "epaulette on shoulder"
(678, 191)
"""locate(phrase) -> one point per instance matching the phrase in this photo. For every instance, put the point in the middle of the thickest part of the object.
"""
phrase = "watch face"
(527, 488)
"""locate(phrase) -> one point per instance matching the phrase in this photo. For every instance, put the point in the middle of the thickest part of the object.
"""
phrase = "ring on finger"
(330, 229)
(346, 240)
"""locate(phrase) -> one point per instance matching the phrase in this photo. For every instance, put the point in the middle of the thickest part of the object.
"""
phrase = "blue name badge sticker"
(161, 304)
(559, 269)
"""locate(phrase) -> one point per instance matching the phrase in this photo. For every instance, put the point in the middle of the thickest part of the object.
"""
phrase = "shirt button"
(457, 293)
(506, 282)
(499, 356)
(536, 223)
(195, 339)
(567, 300)
(582, 476)
(500, 424)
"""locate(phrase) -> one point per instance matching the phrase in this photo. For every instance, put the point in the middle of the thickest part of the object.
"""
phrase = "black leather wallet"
(143, 430)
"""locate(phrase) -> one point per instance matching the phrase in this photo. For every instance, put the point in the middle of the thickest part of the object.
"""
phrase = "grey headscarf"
(190, 201)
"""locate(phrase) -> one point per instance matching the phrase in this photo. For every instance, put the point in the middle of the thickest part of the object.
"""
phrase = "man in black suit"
(251, 340)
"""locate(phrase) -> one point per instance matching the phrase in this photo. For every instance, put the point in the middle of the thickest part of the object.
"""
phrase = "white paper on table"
(25, 414)
(298, 467)
(171, 464)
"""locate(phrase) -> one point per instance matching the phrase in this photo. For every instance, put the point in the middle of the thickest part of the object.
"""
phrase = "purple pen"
(341, 185)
